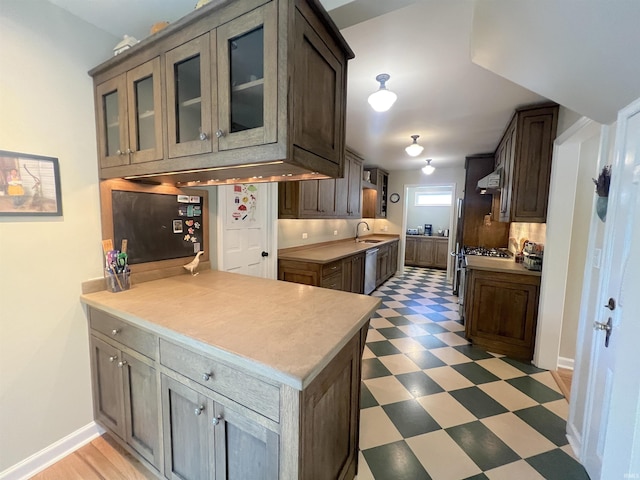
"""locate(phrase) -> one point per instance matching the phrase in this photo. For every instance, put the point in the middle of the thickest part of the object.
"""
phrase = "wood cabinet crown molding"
(179, 108)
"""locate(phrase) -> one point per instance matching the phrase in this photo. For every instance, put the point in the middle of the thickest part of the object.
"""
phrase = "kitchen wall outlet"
(335, 232)
(304, 235)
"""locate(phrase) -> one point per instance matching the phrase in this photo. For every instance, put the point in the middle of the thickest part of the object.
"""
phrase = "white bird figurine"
(193, 264)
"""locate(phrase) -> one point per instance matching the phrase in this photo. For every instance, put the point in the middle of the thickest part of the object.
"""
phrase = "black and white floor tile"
(435, 407)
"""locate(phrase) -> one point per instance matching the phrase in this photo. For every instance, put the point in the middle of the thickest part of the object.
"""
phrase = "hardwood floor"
(102, 459)
(563, 378)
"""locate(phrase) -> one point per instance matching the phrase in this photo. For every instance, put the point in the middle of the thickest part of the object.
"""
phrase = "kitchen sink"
(369, 241)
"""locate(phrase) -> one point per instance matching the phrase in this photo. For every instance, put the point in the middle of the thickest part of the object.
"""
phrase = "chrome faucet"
(358, 226)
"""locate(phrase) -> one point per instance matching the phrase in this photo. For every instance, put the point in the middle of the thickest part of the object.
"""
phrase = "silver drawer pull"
(113, 358)
(217, 419)
(206, 377)
(115, 331)
(122, 363)
(199, 410)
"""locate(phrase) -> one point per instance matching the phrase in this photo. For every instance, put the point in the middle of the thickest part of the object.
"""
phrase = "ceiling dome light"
(414, 149)
(428, 169)
(382, 100)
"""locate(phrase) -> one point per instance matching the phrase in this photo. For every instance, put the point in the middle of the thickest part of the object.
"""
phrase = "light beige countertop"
(493, 264)
(284, 331)
(440, 237)
(328, 252)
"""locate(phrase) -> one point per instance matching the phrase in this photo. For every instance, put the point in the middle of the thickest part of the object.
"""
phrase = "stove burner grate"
(486, 252)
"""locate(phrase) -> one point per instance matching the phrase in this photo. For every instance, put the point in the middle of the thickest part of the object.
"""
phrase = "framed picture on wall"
(29, 185)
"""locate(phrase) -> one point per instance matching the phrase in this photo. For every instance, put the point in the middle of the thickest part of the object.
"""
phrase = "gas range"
(486, 252)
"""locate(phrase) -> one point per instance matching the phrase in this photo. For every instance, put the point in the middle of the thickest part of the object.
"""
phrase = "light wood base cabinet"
(190, 416)
(425, 251)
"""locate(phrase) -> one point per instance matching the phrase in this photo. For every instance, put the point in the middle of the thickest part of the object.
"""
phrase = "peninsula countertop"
(284, 331)
(493, 264)
(329, 252)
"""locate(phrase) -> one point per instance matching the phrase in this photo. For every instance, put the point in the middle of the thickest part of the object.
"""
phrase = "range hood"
(491, 183)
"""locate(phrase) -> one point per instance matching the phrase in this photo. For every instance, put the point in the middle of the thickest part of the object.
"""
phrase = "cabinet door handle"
(217, 419)
(199, 410)
(129, 151)
(115, 331)
(122, 363)
(219, 133)
(113, 358)
(203, 136)
(206, 377)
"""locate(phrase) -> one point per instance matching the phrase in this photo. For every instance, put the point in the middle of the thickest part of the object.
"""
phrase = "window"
(432, 199)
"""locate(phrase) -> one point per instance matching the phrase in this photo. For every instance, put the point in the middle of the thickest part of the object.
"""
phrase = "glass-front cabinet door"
(130, 116)
(247, 79)
(113, 139)
(189, 102)
(145, 112)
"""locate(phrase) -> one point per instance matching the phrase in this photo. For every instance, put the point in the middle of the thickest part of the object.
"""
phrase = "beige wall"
(46, 108)
(290, 231)
(582, 214)
(399, 178)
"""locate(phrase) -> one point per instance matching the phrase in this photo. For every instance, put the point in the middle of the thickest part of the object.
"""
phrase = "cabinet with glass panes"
(240, 83)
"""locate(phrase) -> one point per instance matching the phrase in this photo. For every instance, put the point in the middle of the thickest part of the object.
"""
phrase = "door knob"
(606, 327)
(219, 133)
(199, 410)
(265, 254)
(217, 419)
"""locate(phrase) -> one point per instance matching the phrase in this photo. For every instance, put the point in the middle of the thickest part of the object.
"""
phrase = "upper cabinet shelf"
(229, 93)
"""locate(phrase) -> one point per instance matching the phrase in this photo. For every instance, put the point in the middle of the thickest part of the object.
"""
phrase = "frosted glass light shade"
(382, 100)
(414, 149)
(428, 169)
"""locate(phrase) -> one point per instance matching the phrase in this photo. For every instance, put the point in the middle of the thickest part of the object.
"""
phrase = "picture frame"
(29, 185)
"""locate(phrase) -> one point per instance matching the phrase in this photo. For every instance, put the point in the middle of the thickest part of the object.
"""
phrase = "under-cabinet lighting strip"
(199, 170)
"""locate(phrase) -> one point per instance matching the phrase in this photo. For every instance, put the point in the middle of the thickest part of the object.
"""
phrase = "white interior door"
(246, 217)
(612, 433)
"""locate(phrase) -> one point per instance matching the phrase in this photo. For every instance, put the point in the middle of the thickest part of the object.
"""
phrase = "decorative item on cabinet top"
(226, 124)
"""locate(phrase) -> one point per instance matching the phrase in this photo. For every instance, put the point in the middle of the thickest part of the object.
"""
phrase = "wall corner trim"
(51, 454)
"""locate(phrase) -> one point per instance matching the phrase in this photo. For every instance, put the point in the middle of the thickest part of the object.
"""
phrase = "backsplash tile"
(520, 232)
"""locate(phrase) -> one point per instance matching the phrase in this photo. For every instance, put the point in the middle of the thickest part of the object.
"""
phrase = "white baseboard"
(51, 454)
(575, 441)
(567, 363)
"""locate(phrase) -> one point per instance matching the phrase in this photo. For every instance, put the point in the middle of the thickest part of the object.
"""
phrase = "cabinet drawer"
(123, 332)
(331, 268)
(333, 281)
(238, 386)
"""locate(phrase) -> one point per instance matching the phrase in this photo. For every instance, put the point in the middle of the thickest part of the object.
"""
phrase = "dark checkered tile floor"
(436, 407)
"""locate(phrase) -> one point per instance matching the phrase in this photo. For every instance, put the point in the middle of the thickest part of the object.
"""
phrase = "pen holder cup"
(117, 282)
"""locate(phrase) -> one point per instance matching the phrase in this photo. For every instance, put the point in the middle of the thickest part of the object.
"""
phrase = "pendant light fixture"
(414, 149)
(428, 169)
(382, 100)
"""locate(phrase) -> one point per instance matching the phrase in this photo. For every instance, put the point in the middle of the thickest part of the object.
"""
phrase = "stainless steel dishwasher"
(370, 270)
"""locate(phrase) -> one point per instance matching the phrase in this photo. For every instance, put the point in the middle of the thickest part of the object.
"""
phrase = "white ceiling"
(457, 107)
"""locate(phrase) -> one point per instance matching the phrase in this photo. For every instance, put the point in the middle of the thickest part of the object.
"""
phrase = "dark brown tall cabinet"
(244, 89)
(524, 158)
(475, 230)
